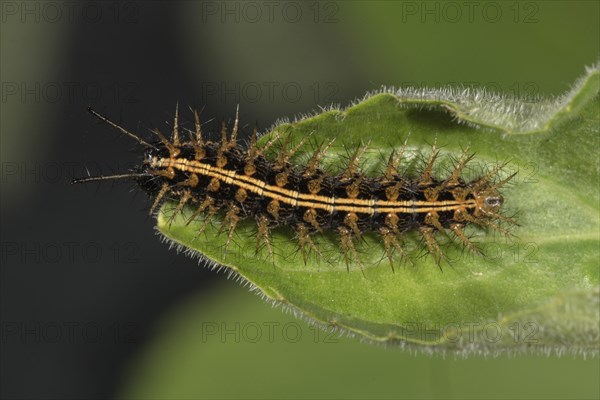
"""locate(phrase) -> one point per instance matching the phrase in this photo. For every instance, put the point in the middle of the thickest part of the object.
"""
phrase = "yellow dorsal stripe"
(298, 199)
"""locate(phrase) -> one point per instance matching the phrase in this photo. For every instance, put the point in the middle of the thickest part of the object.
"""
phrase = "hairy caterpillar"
(240, 182)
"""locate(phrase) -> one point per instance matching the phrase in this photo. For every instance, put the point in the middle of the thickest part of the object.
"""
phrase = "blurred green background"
(197, 334)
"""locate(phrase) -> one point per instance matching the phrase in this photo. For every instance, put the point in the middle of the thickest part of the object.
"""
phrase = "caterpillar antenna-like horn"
(120, 128)
(106, 178)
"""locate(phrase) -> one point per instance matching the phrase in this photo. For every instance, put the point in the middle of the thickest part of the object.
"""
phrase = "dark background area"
(83, 274)
(84, 279)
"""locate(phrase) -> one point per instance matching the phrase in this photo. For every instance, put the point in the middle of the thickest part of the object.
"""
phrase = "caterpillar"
(240, 182)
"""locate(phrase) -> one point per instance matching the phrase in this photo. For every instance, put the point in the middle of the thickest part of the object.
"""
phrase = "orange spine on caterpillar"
(242, 182)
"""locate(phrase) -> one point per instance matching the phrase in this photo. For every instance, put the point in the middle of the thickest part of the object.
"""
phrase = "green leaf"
(535, 293)
(224, 343)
